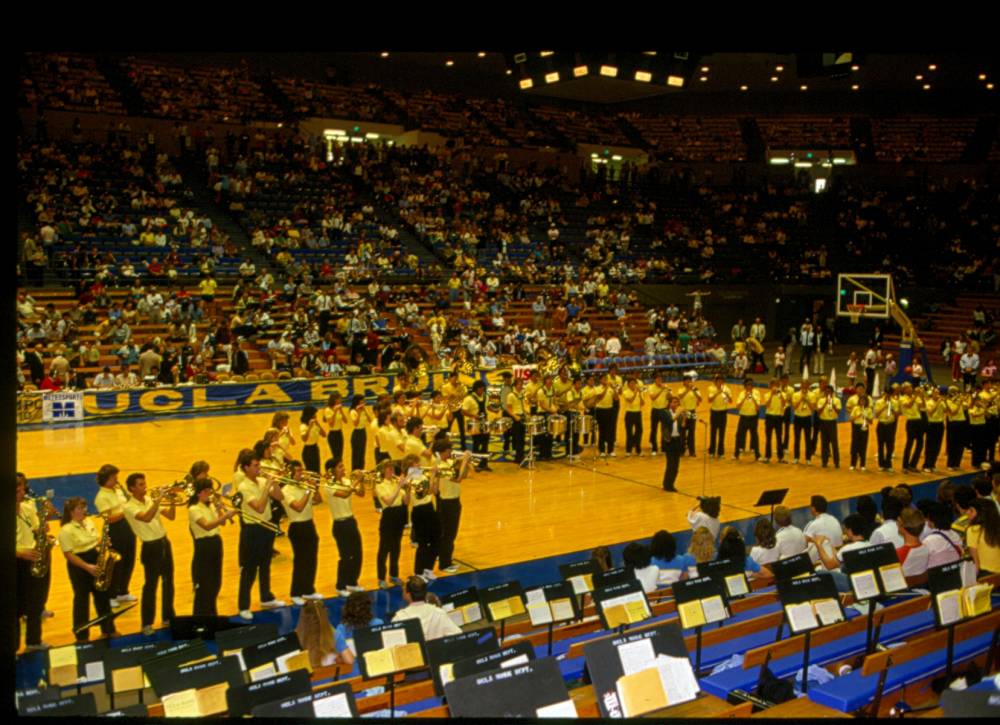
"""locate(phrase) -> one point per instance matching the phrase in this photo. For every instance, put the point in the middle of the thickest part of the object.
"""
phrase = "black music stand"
(772, 498)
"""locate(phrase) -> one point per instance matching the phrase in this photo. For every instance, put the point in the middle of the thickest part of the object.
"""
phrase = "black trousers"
(673, 447)
(427, 534)
(30, 603)
(517, 434)
(256, 544)
(122, 541)
(507, 436)
(335, 439)
(656, 416)
(957, 437)
(449, 515)
(786, 427)
(157, 559)
(459, 417)
(859, 445)
(978, 438)
(935, 437)
(348, 538)
(310, 456)
(83, 590)
(815, 432)
(633, 431)
(359, 447)
(305, 551)
(828, 437)
(804, 427)
(481, 444)
(914, 442)
(390, 536)
(992, 434)
(717, 432)
(206, 574)
(772, 427)
(605, 430)
(885, 436)
(689, 434)
(614, 423)
(747, 425)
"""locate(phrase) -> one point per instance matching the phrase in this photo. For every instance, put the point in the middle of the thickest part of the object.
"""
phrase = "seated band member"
(79, 541)
(345, 528)
(206, 564)
(257, 532)
(394, 499)
(157, 557)
(298, 501)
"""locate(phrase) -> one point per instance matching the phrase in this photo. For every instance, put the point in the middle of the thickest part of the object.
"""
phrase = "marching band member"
(395, 499)
(286, 439)
(828, 406)
(454, 392)
(78, 540)
(426, 524)
(449, 473)
(111, 498)
(298, 501)
(311, 431)
(561, 386)
(256, 539)
(531, 391)
(591, 393)
(506, 386)
(615, 381)
(861, 416)
(515, 407)
(886, 413)
(957, 426)
(936, 413)
(474, 406)
(606, 395)
(545, 402)
(336, 420)
(437, 413)
(786, 423)
(658, 393)
(803, 409)
(204, 523)
(720, 397)
(412, 445)
(673, 441)
(361, 417)
(156, 555)
(345, 527)
(633, 398)
(774, 416)
(31, 590)
(977, 428)
(690, 399)
(911, 404)
(573, 407)
(748, 403)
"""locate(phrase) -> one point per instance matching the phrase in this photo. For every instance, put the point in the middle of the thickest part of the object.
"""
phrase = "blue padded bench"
(724, 682)
(853, 691)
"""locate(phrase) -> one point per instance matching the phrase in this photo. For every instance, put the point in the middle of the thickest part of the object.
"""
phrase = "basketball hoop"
(855, 312)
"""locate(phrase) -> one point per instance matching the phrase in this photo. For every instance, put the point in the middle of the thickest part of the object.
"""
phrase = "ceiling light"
(704, 69)
(989, 86)
(649, 52)
(839, 161)
(927, 86)
(778, 161)
(932, 67)
(804, 87)
(510, 72)
(919, 77)
(546, 53)
(855, 87)
(855, 67)
(779, 68)
(609, 70)
(643, 75)
(774, 79)
(525, 83)
(593, 155)
(982, 76)
(803, 164)
(481, 54)
(703, 79)
(371, 136)
(675, 81)
(616, 157)
(551, 77)
(385, 55)
(743, 88)
(580, 70)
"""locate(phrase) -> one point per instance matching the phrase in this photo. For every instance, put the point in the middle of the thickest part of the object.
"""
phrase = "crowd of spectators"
(67, 82)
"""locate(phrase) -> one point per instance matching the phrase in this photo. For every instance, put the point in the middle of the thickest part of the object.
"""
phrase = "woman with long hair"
(336, 419)
(315, 634)
(311, 432)
(702, 545)
(765, 550)
(983, 536)
(357, 613)
(79, 540)
(279, 421)
(673, 566)
(204, 523)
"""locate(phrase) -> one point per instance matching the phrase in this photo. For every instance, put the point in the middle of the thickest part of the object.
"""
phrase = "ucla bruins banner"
(220, 396)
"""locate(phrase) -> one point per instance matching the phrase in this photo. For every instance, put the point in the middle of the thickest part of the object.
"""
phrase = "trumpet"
(175, 494)
(418, 487)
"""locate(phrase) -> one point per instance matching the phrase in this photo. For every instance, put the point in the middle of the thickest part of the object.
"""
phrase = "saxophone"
(43, 542)
(106, 558)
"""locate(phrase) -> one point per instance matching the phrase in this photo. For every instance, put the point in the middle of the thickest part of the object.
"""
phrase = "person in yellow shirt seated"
(720, 397)
(748, 403)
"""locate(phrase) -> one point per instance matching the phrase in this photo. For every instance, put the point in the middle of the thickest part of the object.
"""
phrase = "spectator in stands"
(789, 539)
(673, 566)
(983, 536)
(889, 530)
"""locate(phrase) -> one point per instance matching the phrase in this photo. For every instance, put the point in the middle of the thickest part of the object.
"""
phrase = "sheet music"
(713, 608)
(864, 584)
(534, 596)
(448, 607)
(636, 656)
(892, 578)
(828, 611)
(579, 584)
(801, 617)
(262, 672)
(566, 708)
(539, 612)
(393, 637)
(950, 606)
(736, 585)
(333, 706)
(456, 616)
(473, 612)
(678, 678)
(94, 671)
(562, 609)
(447, 672)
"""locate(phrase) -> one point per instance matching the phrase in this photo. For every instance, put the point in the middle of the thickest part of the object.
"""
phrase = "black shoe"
(670, 490)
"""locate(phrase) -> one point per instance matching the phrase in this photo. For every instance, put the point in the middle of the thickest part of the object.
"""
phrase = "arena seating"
(67, 81)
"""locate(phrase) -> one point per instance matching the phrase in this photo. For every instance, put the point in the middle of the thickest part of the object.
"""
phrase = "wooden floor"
(508, 516)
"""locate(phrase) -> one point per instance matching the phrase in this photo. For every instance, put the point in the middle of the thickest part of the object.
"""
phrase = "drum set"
(557, 425)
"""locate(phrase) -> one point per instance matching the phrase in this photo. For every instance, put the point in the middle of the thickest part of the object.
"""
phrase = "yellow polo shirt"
(146, 530)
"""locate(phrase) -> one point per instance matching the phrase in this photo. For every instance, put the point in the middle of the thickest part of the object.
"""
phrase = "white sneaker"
(851, 468)
(127, 598)
(147, 630)
(863, 468)
(611, 455)
(343, 593)
(654, 453)
(429, 575)
(273, 604)
(627, 455)
(115, 602)
(298, 601)
(314, 595)
(451, 569)
(354, 588)
(246, 614)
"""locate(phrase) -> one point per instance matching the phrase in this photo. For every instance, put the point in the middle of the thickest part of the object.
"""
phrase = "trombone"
(249, 518)
(282, 474)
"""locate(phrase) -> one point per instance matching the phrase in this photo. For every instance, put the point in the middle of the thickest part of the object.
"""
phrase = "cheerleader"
(204, 523)
(78, 540)
(311, 431)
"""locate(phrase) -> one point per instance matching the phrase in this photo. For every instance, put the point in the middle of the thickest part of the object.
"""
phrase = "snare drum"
(557, 425)
(477, 426)
(588, 424)
(501, 425)
(534, 425)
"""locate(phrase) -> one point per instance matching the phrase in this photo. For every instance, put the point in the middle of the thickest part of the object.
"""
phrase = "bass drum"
(501, 425)
(557, 425)
(588, 425)
(534, 425)
(477, 426)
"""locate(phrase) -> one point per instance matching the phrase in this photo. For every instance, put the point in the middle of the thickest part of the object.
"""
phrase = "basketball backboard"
(864, 295)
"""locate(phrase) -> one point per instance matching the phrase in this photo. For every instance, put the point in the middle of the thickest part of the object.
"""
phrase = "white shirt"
(827, 526)
(851, 547)
(648, 577)
(887, 532)
(789, 541)
(943, 547)
(700, 518)
(433, 620)
(764, 556)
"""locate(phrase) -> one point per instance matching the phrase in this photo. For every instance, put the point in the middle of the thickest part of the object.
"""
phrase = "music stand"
(772, 498)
